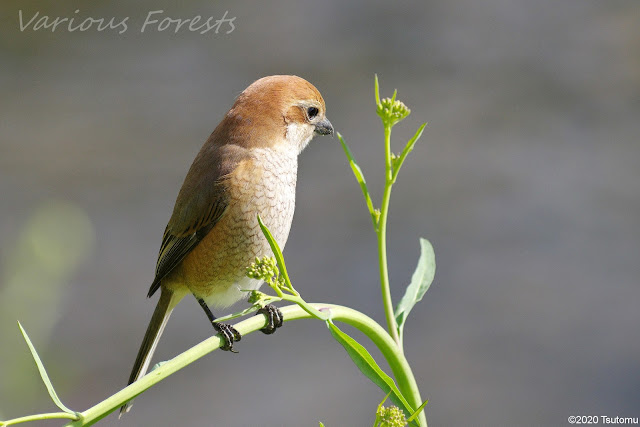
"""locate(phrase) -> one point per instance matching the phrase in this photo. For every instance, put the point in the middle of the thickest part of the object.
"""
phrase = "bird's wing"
(174, 248)
(201, 203)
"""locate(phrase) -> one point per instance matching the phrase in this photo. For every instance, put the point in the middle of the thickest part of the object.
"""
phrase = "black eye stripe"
(312, 112)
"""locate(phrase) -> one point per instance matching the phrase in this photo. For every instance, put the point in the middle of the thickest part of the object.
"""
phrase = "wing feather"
(202, 201)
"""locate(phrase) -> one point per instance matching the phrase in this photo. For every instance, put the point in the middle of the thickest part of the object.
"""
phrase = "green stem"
(381, 231)
(387, 154)
(391, 352)
(38, 417)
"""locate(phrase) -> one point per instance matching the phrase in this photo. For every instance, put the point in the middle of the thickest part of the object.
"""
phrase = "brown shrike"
(248, 166)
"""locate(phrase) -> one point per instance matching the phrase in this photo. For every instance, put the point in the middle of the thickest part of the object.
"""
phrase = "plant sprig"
(392, 111)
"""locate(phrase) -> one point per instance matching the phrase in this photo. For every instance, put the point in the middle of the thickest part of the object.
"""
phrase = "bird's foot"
(274, 318)
(229, 335)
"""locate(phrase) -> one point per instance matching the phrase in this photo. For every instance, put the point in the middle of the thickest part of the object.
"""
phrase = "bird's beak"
(324, 127)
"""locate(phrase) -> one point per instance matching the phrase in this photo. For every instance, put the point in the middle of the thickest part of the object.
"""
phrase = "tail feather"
(168, 300)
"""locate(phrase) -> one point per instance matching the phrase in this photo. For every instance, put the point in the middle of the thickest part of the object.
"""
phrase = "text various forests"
(155, 20)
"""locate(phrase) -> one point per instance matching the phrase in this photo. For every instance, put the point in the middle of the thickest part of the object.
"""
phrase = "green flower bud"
(392, 111)
(391, 417)
(264, 268)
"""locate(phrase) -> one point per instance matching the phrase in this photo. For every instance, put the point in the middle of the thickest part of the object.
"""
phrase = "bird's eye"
(312, 112)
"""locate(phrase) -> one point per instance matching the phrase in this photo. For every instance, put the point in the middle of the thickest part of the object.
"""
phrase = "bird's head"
(279, 111)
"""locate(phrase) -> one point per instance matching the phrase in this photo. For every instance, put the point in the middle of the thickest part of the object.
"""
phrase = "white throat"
(298, 135)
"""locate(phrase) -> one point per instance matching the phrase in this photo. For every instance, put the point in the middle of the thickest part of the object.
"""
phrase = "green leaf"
(377, 90)
(43, 374)
(420, 282)
(368, 366)
(413, 140)
(420, 408)
(276, 252)
(283, 272)
(377, 420)
(397, 164)
(383, 400)
(357, 172)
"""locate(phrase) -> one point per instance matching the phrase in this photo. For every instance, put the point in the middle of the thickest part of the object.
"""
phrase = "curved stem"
(387, 346)
(391, 352)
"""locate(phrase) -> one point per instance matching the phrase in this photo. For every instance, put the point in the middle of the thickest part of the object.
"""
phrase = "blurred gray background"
(526, 181)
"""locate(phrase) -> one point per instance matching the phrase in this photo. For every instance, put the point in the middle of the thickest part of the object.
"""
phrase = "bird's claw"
(274, 318)
(229, 335)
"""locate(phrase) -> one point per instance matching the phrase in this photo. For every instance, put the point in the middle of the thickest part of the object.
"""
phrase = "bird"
(247, 167)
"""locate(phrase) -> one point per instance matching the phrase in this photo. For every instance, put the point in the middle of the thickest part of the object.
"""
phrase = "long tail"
(168, 300)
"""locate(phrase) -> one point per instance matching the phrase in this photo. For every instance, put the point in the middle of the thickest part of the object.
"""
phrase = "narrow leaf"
(377, 90)
(283, 271)
(345, 147)
(407, 149)
(357, 172)
(383, 400)
(368, 366)
(414, 139)
(420, 282)
(420, 408)
(276, 251)
(43, 373)
(376, 423)
(363, 185)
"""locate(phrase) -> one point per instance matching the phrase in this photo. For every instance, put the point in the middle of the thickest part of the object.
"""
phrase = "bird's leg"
(228, 332)
(274, 318)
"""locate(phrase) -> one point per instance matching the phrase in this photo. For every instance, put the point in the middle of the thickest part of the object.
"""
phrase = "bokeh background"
(526, 181)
